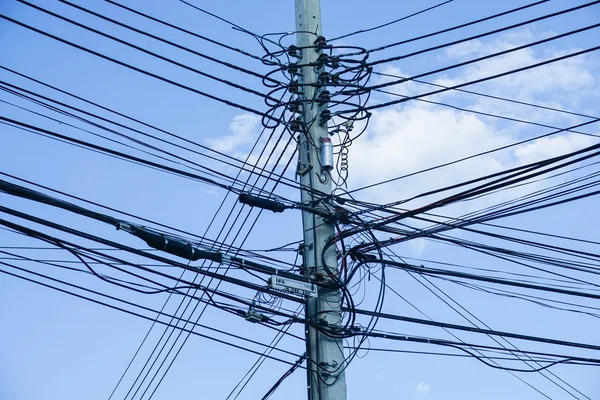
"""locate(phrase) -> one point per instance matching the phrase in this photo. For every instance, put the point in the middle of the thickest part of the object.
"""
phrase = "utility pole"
(325, 355)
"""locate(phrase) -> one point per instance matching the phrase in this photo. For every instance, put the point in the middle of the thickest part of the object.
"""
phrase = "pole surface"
(325, 356)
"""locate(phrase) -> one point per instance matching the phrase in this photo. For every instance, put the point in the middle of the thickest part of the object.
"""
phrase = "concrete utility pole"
(325, 355)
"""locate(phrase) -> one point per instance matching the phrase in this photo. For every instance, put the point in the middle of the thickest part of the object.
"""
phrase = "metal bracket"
(322, 177)
(304, 171)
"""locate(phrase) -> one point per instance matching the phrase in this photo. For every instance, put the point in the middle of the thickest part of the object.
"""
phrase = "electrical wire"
(392, 22)
(140, 70)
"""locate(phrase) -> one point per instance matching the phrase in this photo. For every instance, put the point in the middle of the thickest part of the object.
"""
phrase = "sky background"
(54, 346)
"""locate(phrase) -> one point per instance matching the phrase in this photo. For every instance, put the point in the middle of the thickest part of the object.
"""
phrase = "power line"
(487, 114)
(473, 156)
(174, 44)
(477, 21)
(489, 95)
(188, 141)
(392, 22)
(191, 331)
(488, 33)
(483, 58)
(178, 28)
(182, 160)
(143, 50)
(478, 330)
(140, 70)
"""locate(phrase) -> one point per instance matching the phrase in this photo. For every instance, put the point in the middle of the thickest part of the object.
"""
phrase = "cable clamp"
(226, 260)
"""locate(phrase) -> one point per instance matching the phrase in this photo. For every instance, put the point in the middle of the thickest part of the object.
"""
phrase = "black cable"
(140, 70)
(444, 272)
(182, 160)
(276, 385)
(454, 335)
(97, 239)
(120, 154)
(477, 21)
(235, 26)
(201, 313)
(184, 139)
(183, 30)
(136, 314)
(227, 64)
(181, 303)
(169, 228)
(146, 51)
(488, 33)
(259, 362)
(526, 361)
(522, 173)
(479, 330)
(186, 338)
(484, 79)
(144, 143)
(392, 22)
(461, 346)
(487, 114)
(489, 96)
(473, 156)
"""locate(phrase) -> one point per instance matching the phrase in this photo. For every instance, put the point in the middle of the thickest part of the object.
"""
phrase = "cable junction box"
(292, 285)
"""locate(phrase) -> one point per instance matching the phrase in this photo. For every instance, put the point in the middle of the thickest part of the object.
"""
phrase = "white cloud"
(404, 141)
(414, 136)
(408, 88)
(552, 146)
(571, 76)
(464, 49)
(243, 130)
(421, 391)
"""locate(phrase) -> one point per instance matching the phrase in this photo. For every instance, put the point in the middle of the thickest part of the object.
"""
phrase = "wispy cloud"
(421, 391)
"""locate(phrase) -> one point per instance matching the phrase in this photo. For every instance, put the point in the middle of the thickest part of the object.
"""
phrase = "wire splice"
(255, 201)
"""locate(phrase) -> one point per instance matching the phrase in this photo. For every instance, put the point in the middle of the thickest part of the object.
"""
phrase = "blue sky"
(54, 346)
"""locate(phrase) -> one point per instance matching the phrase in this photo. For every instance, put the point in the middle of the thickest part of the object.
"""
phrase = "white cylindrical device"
(326, 154)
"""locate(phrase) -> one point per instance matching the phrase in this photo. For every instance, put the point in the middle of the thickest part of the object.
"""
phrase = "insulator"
(320, 43)
(293, 69)
(349, 125)
(335, 78)
(324, 96)
(322, 60)
(294, 87)
(295, 125)
(324, 116)
(324, 78)
(334, 62)
(294, 106)
(326, 154)
(294, 51)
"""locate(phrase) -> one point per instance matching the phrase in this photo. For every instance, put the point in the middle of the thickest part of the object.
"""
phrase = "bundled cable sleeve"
(152, 256)
(155, 240)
